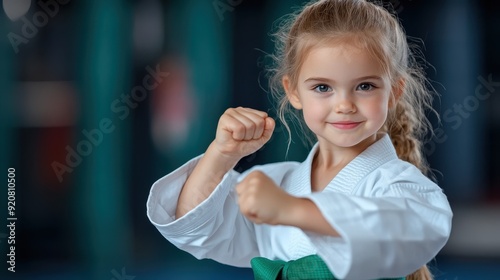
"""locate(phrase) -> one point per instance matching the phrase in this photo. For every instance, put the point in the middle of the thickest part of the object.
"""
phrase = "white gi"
(391, 218)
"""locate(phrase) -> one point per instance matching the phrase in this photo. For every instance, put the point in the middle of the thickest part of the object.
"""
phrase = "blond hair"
(374, 29)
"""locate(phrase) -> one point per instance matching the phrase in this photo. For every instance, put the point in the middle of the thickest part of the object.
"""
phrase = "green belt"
(310, 267)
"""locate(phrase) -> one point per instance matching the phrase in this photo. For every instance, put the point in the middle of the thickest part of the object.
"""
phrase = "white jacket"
(391, 218)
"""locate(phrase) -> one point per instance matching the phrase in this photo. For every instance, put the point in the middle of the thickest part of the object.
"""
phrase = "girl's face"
(344, 95)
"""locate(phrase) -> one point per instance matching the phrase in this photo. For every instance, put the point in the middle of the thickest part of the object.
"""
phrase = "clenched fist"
(242, 131)
(262, 201)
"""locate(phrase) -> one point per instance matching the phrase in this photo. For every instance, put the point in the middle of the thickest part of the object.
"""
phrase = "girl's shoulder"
(400, 172)
(398, 178)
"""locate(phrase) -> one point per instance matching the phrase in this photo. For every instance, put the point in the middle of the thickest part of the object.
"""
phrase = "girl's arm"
(214, 230)
(262, 201)
(306, 215)
(240, 132)
(205, 177)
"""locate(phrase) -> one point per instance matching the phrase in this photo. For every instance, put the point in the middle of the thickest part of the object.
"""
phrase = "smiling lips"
(345, 124)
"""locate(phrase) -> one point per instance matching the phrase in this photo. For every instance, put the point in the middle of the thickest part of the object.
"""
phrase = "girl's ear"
(291, 93)
(397, 92)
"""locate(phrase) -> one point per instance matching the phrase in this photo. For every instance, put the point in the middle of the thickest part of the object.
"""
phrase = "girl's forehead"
(348, 44)
(339, 48)
(348, 39)
(336, 53)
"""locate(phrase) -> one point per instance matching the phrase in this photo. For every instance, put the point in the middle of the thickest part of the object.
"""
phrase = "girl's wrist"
(221, 159)
(304, 214)
(293, 211)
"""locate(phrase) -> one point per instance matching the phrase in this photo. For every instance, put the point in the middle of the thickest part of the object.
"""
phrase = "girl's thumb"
(268, 128)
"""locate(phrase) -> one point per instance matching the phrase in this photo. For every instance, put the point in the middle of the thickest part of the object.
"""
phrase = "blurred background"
(102, 98)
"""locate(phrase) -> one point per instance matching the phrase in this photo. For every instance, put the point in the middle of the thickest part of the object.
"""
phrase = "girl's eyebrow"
(318, 79)
(372, 77)
(326, 80)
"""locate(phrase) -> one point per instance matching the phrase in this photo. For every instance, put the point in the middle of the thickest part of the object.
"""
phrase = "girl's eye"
(365, 87)
(322, 88)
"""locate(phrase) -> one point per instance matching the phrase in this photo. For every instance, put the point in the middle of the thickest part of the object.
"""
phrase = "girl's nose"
(344, 104)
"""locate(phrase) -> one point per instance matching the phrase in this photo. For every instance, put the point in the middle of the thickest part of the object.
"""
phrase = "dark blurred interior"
(102, 98)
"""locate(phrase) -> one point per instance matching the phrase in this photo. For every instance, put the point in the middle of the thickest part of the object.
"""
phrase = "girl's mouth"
(346, 125)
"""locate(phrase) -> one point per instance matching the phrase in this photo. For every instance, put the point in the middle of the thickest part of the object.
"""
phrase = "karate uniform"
(391, 218)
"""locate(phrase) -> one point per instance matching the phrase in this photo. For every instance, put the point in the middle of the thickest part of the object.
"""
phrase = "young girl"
(359, 203)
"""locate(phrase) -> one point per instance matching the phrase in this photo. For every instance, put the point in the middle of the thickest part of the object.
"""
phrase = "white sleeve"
(215, 229)
(390, 235)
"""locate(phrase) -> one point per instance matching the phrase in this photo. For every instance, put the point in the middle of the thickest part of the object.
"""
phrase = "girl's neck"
(330, 160)
(326, 166)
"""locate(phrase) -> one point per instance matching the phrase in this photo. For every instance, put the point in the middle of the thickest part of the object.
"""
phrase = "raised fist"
(242, 131)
